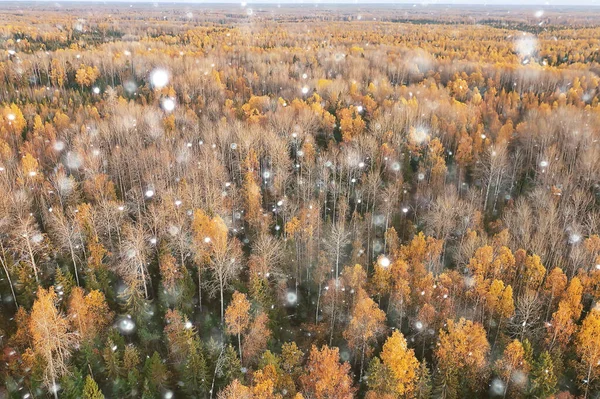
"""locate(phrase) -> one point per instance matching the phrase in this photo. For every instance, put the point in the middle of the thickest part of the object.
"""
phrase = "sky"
(537, 3)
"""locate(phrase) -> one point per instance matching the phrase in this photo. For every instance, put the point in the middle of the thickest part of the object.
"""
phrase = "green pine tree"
(378, 378)
(186, 288)
(27, 286)
(195, 374)
(528, 349)
(231, 366)
(543, 377)
(72, 385)
(64, 281)
(423, 386)
(131, 360)
(156, 375)
(91, 390)
(112, 360)
(446, 385)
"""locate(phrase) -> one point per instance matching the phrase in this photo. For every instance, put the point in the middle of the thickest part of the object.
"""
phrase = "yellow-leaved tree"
(587, 347)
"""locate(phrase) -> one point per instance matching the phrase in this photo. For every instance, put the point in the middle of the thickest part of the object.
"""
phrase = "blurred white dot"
(59, 146)
(159, 78)
(384, 261)
(291, 297)
(305, 90)
(168, 104)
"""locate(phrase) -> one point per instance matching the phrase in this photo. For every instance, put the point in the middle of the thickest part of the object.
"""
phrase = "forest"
(299, 201)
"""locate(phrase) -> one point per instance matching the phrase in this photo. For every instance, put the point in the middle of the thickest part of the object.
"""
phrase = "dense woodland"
(297, 202)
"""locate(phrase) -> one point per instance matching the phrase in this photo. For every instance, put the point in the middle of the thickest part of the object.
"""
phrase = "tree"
(543, 378)
(587, 347)
(66, 233)
(51, 337)
(236, 390)
(366, 325)
(562, 326)
(91, 390)
(257, 337)
(513, 369)
(179, 333)
(252, 200)
(423, 386)
(222, 254)
(86, 75)
(89, 314)
(230, 367)
(131, 361)
(265, 381)
(156, 375)
(461, 356)
(30, 243)
(237, 317)
(195, 373)
(534, 272)
(134, 257)
(325, 377)
(398, 372)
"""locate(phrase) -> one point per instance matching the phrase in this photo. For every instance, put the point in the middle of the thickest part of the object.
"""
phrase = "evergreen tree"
(72, 385)
(112, 362)
(423, 385)
(91, 390)
(231, 366)
(156, 375)
(195, 375)
(64, 281)
(131, 360)
(543, 378)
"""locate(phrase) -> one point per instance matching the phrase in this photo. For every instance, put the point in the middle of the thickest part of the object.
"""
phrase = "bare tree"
(134, 255)
(65, 233)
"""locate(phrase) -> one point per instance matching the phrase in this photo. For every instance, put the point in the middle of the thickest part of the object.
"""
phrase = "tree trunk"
(199, 289)
(74, 263)
(222, 311)
(12, 289)
(35, 271)
(333, 315)
(240, 346)
(362, 361)
(212, 387)
(318, 302)
(587, 385)
(54, 387)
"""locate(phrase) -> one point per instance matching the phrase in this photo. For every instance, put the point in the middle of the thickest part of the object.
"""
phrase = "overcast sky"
(536, 3)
